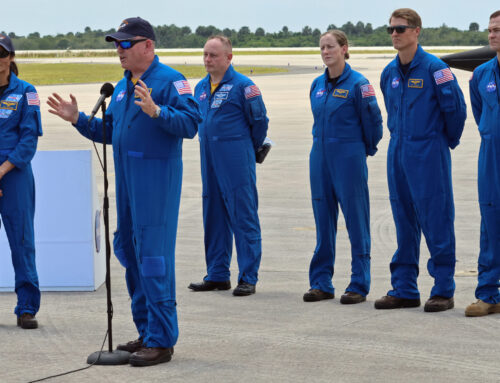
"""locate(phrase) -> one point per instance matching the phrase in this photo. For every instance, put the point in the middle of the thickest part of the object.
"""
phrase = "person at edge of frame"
(150, 112)
(347, 128)
(233, 129)
(485, 100)
(425, 115)
(20, 126)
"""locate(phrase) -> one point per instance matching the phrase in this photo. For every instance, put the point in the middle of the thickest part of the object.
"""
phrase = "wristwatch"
(157, 112)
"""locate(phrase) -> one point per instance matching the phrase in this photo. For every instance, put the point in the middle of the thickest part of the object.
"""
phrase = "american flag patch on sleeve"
(182, 87)
(443, 75)
(367, 91)
(252, 91)
(33, 98)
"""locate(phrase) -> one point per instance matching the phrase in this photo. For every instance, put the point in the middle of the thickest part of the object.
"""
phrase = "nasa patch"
(120, 96)
(395, 82)
(491, 87)
(202, 96)
(320, 93)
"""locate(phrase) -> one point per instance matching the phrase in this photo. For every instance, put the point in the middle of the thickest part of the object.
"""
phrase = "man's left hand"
(145, 101)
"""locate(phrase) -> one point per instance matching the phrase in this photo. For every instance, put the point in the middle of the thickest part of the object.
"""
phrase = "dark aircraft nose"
(469, 60)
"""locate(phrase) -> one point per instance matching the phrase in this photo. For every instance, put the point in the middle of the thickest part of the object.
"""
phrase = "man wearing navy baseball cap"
(131, 28)
(151, 111)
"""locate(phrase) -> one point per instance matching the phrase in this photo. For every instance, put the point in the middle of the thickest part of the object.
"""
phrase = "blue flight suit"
(234, 126)
(485, 99)
(347, 128)
(148, 172)
(20, 126)
(426, 114)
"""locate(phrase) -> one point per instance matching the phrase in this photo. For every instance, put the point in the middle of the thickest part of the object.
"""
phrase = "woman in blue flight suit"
(347, 127)
(20, 126)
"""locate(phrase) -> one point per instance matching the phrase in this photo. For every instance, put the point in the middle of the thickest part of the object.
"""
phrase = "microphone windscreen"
(107, 89)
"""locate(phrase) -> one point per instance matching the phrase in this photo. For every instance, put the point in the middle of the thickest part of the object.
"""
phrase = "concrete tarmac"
(273, 336)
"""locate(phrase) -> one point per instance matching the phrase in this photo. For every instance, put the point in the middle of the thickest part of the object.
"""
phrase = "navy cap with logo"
(6, 43)
(132, 27)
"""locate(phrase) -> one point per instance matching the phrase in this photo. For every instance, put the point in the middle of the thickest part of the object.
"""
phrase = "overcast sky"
(50, 17)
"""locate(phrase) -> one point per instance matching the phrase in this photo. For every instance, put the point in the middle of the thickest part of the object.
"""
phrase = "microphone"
(106, 91)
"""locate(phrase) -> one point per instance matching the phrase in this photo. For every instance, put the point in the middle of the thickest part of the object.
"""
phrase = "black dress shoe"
(149, 356)
(210, 285)
(351, 298)
(388, 302)
(244, 289)
(437, 303)
(316, 295)
(132, 346)
(27, 321)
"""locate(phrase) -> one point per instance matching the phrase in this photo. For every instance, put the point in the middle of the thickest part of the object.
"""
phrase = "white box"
(67, 255)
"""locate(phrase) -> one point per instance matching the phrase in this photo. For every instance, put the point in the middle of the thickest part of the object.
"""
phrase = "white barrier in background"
(67, 255)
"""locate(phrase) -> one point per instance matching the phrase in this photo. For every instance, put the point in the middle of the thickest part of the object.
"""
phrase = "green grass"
(51, 74)
(112, 53)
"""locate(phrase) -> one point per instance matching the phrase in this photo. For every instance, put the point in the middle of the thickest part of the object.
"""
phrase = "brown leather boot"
(389, 302)
(436, 303)
(27, 321)
(132, 346)
(351, 298)
(149, 356)
(315, 295)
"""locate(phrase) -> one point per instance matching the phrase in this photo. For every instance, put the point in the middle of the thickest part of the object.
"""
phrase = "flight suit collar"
(153, 65)
(417, 59)
(345, 74)
(13, 83)
(228, 76)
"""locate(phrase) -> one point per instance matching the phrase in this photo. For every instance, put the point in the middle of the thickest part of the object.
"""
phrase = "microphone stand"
(110, 357)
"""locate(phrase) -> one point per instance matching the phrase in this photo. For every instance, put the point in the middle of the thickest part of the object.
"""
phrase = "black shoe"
(244, 289)
(210, 285)
(437, 303)
(351, 298)
(27, 321)
(132, 346)
(388, 302)
(316, 295)
(149, 356)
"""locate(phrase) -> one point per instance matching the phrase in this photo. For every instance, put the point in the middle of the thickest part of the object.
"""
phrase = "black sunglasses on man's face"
(3, 53)
(399, 28)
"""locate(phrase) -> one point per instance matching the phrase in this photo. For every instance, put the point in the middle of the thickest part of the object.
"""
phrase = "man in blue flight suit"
(485, 99)
(234, 126)
(426, 115)
(20, 126)
(150, 113)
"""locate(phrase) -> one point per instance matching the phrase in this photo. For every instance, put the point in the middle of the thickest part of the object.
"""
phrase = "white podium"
(69, 255)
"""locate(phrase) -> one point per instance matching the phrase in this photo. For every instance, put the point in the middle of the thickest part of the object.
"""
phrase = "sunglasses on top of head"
(3, 53)
(399, 28)
(127, 44)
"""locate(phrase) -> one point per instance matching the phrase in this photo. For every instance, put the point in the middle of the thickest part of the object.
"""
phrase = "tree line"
(172, 36)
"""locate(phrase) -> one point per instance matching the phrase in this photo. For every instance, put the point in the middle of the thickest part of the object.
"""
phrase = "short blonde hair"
(409, 15)
(341, 38)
